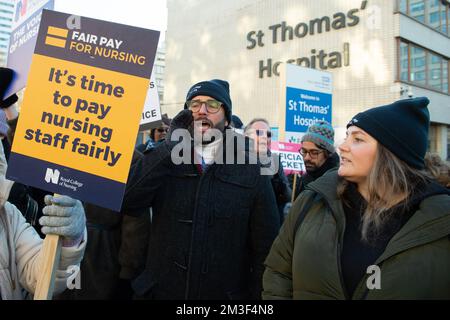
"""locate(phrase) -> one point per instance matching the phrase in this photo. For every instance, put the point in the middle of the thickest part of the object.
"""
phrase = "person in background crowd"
(213, 221)
(258, 130)
(157, 135)
(438, 168)
(318, 154)
(378, 227)
(237, 124)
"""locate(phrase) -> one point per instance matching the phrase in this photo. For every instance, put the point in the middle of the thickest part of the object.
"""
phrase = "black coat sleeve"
(264, 226)
(145, 178)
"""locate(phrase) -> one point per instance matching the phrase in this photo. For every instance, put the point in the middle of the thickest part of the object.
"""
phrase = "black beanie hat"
(237, 122)
(401, 127)
(217, 89)
(6, 77)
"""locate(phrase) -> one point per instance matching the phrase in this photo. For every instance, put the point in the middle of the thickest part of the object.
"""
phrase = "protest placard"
(84, 100)
(305, 98)
(290, 158)
(23, 38)
(151, 115)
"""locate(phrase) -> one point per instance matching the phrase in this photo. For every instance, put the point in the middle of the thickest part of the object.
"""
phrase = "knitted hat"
(402, 127)
(6, 77)
(236, 122)
(217, 89)
(321, 134)
(3, 124)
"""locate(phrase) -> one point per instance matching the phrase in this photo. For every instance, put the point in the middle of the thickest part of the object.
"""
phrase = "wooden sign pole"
(51, 252)
(293, 187)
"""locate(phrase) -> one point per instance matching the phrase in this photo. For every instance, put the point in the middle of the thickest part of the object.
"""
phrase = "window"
(434, 13)
(434, 71)
(448, 143)
(445, 21)
(404, 61)
(417, 9)
(403, 5)
(417, 62)
(432, 138)
(423, 67)
(445, 87)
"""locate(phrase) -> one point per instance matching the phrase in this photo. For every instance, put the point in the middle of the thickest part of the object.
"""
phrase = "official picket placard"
(151, 115)
(25, 27)
(81, 111)
(307, 98)
(290, 158)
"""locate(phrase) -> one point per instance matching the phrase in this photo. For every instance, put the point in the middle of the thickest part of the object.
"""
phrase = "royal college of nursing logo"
(52, 176)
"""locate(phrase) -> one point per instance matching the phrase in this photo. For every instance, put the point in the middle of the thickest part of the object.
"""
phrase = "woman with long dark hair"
(377, 228)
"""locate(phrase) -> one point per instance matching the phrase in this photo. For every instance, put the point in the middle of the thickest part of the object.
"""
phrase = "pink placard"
(290, 157)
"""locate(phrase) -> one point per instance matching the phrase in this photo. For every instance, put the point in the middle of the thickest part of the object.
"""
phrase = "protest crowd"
(214, 205)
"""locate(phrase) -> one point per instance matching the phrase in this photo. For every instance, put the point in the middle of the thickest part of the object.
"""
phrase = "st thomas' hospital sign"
(282, 32)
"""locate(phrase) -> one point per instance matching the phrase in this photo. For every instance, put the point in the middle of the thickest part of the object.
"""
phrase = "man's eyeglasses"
(312, 153)
(161, 130)
(212, 106)
(261, 133)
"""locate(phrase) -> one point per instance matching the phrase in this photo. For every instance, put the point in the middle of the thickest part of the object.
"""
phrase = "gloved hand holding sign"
(64, 216)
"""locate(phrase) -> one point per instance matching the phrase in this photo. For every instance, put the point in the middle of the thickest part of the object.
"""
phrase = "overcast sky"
(149, 14)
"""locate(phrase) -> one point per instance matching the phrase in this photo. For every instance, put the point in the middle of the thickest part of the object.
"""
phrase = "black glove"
(183, 120)
(6, 77)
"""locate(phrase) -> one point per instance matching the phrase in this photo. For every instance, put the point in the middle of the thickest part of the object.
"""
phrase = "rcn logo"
(52, 175)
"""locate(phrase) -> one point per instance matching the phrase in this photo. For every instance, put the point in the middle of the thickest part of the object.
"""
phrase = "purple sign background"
(21, 48)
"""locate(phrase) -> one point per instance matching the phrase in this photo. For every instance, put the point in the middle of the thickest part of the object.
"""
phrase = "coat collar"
(429, 223)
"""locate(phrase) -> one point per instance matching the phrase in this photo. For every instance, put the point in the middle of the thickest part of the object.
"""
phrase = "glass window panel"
(402, 6)
(418, 65)
(403, 61)
(434, 19)
(434, 14)
(434, 71)
(432, 138)
(416, 50)
(448, 143)
(448, 20)
(435, 58)
(445, 76)
(443, 19)
(418, 62)
(418, 76)
(417, 9)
